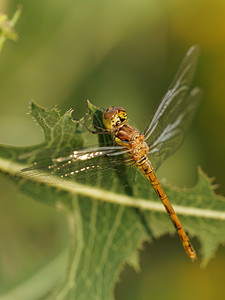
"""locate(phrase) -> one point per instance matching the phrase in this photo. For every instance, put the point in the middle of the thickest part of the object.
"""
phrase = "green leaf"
(109, 214)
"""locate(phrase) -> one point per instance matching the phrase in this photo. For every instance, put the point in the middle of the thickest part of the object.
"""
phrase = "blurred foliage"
(114, 53)
(7, 27)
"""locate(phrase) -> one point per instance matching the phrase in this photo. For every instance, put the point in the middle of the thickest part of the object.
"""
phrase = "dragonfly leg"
(104, 130)
(98, 127)
(92, 131)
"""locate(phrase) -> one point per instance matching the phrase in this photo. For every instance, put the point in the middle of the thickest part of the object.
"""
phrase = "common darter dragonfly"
(161, 137)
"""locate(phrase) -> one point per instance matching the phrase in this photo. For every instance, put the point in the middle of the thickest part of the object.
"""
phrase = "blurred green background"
(122, 53)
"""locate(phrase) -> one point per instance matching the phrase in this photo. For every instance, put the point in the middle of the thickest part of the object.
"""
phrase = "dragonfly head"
(114, 116)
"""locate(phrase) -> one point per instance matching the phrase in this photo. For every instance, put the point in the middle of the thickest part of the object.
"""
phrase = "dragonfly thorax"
(131, 139)
(114, 117)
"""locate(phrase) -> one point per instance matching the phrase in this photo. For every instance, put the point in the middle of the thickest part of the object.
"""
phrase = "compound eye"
(120, 109)
(109, 114)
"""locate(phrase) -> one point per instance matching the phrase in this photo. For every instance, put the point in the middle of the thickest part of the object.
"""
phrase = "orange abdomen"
(146, 168)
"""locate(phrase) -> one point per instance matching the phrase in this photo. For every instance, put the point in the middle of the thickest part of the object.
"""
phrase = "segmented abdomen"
(146, 168)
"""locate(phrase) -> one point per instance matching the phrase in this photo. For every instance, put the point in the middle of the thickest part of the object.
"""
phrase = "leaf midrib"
(102, 195)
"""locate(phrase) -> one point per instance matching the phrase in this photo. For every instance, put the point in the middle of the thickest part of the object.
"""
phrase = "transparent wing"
(174, 99)
(172, 135)
(77, 163)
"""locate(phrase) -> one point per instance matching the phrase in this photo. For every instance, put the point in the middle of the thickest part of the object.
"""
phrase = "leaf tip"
(69, 112)
(91, 106)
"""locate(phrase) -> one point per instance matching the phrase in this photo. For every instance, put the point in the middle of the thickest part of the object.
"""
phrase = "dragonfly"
(161, 137)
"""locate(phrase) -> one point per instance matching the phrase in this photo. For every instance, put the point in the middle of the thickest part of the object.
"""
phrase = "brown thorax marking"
(131, 139)
(115, 120)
